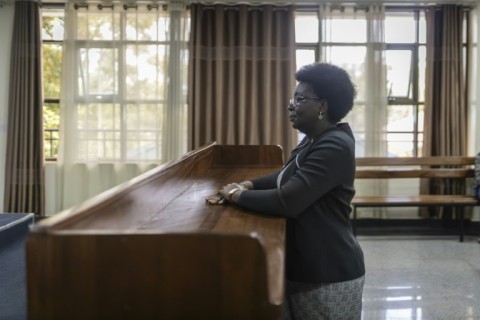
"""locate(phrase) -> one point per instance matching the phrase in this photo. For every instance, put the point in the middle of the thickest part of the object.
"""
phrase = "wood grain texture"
(153, 248)
(414, 201)
(426, 161)
(414, 173)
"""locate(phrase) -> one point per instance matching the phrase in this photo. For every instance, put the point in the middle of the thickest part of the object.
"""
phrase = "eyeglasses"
(299, 100)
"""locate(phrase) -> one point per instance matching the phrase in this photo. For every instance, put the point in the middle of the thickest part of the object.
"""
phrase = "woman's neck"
(319, 130)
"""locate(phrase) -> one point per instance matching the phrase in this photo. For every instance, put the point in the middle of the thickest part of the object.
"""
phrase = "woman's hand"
(232, 191)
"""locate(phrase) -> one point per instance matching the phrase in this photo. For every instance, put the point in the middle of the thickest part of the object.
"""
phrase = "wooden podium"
(152, 248)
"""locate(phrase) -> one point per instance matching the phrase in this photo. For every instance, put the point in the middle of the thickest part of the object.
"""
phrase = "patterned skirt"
(332, 301)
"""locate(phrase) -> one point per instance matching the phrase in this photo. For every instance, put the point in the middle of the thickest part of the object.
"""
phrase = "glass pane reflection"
(399, 63)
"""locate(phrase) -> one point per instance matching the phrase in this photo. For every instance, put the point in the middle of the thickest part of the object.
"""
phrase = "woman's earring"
(320, 116)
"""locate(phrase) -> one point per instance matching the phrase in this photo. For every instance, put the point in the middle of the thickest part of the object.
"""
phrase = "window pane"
(144, 128)
(304, 57)
(359, 144)
(340, 30)
(422, 28)
(421, 113)
(53, 24)
(98, 25)
(51, 122)
(400, 144)
(399, 63)
(144, 116)
(145, 27)
(51, 115)
(306, 28)
(52, 70)
(420, 145)
(98, 128)
(352, 59)
(98, 71)
(400, 118)
(98, 145)
(98, 116)
(50, 143)
(422, 65)
(356, 118)
(144, 78)
(400, 27)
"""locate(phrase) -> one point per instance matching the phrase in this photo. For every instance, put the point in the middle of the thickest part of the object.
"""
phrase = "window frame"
(414, 81)
(414, 77)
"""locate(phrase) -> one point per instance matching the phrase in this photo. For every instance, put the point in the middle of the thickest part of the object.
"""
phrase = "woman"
(324, 262)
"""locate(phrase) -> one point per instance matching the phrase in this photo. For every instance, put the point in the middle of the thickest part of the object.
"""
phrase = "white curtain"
(364, 59)
(376, 90)
(123, 106)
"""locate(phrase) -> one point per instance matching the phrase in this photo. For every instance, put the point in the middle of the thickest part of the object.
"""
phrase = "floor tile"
(421, 278)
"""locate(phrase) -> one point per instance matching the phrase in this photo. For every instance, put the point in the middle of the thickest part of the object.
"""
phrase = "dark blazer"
(314, 191)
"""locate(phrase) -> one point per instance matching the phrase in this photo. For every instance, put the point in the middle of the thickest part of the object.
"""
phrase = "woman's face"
(304, 108)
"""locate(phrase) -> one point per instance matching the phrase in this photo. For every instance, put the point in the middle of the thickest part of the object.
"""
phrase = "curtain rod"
(128, 4)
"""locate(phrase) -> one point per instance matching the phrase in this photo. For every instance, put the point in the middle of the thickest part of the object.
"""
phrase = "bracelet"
(231, 192)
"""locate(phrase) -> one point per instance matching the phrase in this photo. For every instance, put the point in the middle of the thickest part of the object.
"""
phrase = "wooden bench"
(457, 168)
(152, 248)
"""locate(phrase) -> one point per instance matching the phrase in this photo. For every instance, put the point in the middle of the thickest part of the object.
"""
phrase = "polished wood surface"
(153, 248)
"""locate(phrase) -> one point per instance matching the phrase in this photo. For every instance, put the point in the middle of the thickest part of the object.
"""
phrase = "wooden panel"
(414, 173)
(413, 201)
(248, 156)
(400, 161)
(145, 276)
(154, 247)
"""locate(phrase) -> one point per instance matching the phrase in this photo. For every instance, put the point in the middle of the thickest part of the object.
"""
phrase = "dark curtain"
(446, 96)
(24, 172)
(241, 75)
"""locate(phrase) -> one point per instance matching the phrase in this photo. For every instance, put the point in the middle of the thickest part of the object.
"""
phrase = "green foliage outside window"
(52, 34)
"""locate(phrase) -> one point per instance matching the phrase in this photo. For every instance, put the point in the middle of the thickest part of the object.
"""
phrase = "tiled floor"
(432, 278)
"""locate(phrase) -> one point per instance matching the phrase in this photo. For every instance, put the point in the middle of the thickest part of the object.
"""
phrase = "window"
(52, 37)
(330, 38)
(121, 79)
(405, 37)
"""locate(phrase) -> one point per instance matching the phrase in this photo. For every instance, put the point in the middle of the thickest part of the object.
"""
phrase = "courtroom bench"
(153, 248)
(452, 168)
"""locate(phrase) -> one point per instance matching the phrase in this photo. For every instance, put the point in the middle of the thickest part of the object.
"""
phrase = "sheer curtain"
(123, 106)
(364, 59)
(242, 74)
